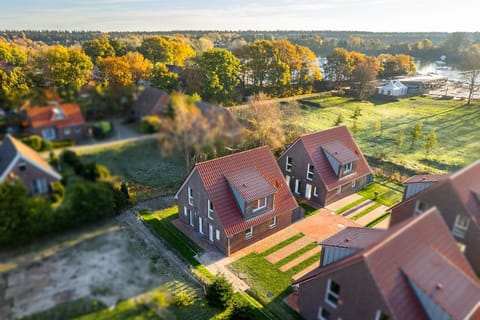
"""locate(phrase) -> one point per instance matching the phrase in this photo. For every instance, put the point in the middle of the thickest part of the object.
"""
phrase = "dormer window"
(259, 204)
(347, 168)
(58, 114)
(190, 196)
(310, 172)
(288, 164)
(210, 210)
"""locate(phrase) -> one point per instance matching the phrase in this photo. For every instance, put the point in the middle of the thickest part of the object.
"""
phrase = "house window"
(22, 166)
(200, 225)
(259, 204)
(67, 131)
(347, 167)
(249, 233)
(185, 211)
(297, 186)
(339, 190)
(78, 130)
(210, 210)
(288, 164)
(48, 134)
(39, 186)
(461, 225)
(287, 179)
(190, 196)
(273, 222)
(420, 207)
(381, 316)
(354, 184)
(323, 314)
(315, 193)
(333, 293)
(217, 234)
(309, 172)
(192, 218)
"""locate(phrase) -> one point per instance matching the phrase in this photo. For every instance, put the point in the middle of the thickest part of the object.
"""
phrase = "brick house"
(20, 161)
(325, 166)
(414, 270)
(457, 198)
(57, 122)
(151, 101)
(236, 200)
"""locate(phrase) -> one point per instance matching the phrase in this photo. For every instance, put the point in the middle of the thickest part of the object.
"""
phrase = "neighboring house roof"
(393, 85)
(425, 178)
(215, 173)
(151, 101)
(64, 115)
(460, 188)
(341, 153)
(354, 237)
(220, 117)
(338, 139)
(11, 149)
(416, 254)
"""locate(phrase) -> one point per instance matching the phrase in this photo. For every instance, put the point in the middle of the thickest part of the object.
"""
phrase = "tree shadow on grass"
(441, 165)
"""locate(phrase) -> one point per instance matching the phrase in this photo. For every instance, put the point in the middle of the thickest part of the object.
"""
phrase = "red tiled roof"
(45, 117)
(250, 184)
(313, 144)
(353, 237)
(339, 152)
(423, 178)
(422, 248)
(213, 174)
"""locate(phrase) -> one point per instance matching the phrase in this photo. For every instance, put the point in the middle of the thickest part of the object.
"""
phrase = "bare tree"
(471, 65)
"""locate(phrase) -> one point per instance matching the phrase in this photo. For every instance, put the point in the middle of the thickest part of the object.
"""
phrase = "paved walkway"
(366, 219)
(343, 202)
(383, 224)
(358, 208)
(300, 259)
(288, 250)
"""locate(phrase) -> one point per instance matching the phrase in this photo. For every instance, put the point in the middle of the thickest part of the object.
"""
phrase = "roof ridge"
(231, 155)
(324, 130)
(462, 170)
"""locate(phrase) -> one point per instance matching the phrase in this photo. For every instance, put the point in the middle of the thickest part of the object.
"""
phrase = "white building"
(393, 88)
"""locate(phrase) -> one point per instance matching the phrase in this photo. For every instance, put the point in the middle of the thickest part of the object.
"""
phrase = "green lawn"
(270, 285)
(457, 126)
(141, 164)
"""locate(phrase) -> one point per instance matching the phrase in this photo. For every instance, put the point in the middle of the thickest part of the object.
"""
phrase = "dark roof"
(422, 249)
(46, 116)
(11, 147)
(313, 145)
(353, 237)
(151, 101)
(250, 184)
(339, 152)
(220, 117)
(425, 178)
(214, 177)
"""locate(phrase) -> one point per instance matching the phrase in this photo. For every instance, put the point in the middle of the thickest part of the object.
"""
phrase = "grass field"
(141, 164)
(457, 126)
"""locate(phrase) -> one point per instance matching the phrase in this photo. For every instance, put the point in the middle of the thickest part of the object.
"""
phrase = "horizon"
(376, 16)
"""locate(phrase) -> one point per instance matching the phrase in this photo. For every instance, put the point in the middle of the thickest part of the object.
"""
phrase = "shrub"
(58, 191)
(150, 124)
(102, 129)
(240, 309)
(34, 142)
(183, 299)
(220, 292)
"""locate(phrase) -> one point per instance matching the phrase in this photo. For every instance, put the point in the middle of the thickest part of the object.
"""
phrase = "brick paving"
(366, 219)
(300, 259)
(383, 224)
(289, 249)
(311, 267)
(358, 208)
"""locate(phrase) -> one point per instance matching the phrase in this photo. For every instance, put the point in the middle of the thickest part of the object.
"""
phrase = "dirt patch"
(111, 266)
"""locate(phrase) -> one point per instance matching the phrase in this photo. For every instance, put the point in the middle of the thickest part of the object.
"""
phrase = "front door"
(308, 191)
(210, 232)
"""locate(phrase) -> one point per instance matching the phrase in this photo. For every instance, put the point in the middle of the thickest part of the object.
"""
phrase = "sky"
(160, 15)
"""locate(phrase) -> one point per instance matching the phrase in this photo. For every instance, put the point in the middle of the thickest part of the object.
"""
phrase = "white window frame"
(308, 191)
(288, 164)
(379, 314)
(320, 316)
(67, 131)
(210, 210)
(217, 234)
(39, 186)
(288, 179)
(354, 183)
(274, 223)
(260, 206)
(329, 292)
(185, 211)
(190, 196)
(348, 167)
(315, 193)
(200, 225)
(210, 232)
(191, 217)
(249, 233)
(297, 186)
(418, 211)
(310, 169)
(339, 190)
(48, 133)
(460, 229)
